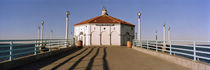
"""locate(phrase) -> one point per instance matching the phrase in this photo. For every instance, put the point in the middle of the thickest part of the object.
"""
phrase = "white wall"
(85, 33)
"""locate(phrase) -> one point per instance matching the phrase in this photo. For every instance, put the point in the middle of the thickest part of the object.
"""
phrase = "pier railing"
(196, 50)
(10, 49)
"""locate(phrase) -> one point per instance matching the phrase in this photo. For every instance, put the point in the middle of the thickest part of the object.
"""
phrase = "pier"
(104, 35)
(56, 56)
(103, 58)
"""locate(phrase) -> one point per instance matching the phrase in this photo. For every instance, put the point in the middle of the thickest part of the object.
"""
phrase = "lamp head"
(164, 24)
(42, 22)
(67, 13)
(139, 14)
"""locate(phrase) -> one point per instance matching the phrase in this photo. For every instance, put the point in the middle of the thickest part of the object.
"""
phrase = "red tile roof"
(104, 19)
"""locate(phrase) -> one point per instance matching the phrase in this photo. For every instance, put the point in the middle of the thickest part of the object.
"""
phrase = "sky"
(188, 19)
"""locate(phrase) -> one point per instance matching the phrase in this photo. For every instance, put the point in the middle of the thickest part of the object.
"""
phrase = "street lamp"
(42, 32)
(139, 26)
(71, 38)
(38, 35)
(169, 35)
(156, 38)
(164, 37)
(51, 34)
(67, 27)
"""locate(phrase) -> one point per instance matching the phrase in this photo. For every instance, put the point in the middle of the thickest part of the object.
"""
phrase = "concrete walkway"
(102, 58)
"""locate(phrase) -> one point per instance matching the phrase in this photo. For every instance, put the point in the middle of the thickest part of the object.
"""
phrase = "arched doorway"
(81, 37)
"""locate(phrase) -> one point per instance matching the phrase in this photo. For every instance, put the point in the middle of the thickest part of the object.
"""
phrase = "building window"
(104, 28)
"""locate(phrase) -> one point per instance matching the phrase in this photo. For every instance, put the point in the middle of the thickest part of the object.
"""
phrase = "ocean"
(27, 49)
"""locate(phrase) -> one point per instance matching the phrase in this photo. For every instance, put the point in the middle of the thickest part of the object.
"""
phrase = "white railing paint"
(183, 47)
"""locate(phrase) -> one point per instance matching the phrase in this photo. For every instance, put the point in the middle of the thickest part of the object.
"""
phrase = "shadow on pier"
(88, 58)
(102, 58)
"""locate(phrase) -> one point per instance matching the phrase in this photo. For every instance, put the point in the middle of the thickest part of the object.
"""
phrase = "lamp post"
(164, 37)
(71, 38)
(169, 35)
(51, 34)
(156, 35)
(38, 35)
(67, 28)
(42, 32)
(139, 27)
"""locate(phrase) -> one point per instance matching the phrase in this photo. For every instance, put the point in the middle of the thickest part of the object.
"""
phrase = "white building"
(104, 30)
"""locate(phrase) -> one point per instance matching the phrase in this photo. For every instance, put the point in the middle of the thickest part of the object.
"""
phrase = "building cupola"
(104, 12)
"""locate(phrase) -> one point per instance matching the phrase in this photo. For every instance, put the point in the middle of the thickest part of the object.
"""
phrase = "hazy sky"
(188, 19)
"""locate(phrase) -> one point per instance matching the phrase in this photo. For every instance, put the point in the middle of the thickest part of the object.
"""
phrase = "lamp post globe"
(139, 14)
(42, 22)
(164, 24)
(67, 13)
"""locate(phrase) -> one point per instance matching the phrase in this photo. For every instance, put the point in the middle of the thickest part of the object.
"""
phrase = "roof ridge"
(100, 19)
(89, 20)
(113, 18)
(120, 20)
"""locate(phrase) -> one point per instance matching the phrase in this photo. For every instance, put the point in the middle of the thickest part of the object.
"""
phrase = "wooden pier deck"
(102, 58)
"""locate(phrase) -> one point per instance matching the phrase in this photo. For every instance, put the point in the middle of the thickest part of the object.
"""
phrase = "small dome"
(67, 12)
(104, 12)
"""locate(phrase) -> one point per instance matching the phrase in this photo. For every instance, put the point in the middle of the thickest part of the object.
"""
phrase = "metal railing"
(10, 49)
(196, 50)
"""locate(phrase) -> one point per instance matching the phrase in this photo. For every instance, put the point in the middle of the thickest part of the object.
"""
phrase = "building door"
(115, 38)
(95, 38)
(105, 38)
(81, 37)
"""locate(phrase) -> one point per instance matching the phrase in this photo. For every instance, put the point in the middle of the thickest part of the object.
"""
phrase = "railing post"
(35, 47)
(170, 47)
(156, 46)
(10, 53)
(194, 50)
(147, 44)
